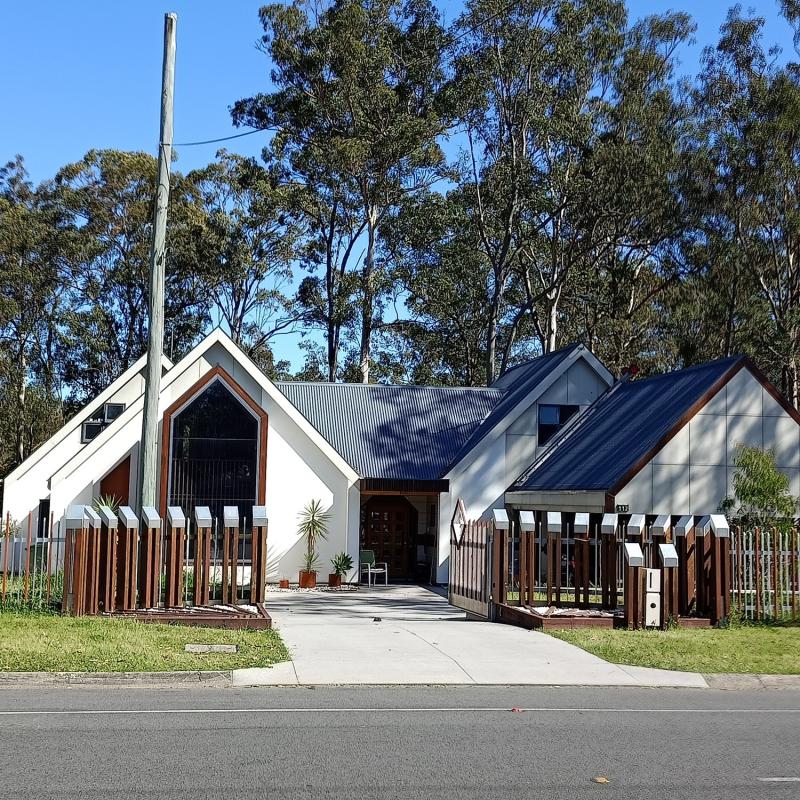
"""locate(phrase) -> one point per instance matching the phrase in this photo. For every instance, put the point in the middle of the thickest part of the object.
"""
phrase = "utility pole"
(148, 449)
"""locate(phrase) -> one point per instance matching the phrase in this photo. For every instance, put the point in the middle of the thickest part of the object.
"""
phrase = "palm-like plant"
(110, 500)
(313, 527)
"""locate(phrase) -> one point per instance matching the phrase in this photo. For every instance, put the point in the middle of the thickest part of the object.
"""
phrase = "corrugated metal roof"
(399, 432)
(412, 432)
(620, 429)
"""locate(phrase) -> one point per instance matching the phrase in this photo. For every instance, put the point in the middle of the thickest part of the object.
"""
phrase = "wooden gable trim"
(196, 388)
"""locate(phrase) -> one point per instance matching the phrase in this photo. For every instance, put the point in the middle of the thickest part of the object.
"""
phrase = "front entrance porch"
(401, 530)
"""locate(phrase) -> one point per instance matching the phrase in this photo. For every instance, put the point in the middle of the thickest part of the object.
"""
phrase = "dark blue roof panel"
(397, 432)
(620, 429)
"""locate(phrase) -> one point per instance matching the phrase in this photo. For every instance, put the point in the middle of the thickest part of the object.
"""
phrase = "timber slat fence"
(87, 569)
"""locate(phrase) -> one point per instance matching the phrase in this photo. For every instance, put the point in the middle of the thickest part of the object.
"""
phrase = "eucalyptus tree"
(356, 122)
(250, 247)
(109, 195)
(748, 105)
(36, 244)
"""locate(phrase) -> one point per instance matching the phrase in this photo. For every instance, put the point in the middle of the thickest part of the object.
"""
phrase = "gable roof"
(527, 379)
(395, 432)
(624, 429)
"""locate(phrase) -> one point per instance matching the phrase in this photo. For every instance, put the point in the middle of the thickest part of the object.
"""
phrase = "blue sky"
(86, 74)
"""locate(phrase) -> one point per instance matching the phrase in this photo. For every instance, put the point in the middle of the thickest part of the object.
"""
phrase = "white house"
(391, 462)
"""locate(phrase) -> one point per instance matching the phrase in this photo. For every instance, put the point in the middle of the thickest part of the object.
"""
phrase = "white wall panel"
(744, 394)
(708, 439)
(638, 494)
(675, 451)
(671, 489)
(709, 487)
(782, 434)
(744, 430)
(718, 404)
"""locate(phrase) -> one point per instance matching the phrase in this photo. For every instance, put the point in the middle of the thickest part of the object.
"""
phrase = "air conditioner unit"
(112, 410)
(90, 429)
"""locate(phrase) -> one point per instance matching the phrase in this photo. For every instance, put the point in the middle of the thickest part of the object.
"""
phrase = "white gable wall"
(694, 471)
(29, 483)
(483, 475)
(300, 466)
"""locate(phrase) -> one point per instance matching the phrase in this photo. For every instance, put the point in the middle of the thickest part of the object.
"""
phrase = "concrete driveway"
(411, 635)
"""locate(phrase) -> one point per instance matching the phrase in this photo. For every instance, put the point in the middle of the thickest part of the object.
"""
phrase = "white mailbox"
(652, 580)
(652, 610)
(500, 516)
(581, 526)
(669, 555)
(609, 524)
(661, 525)
(553, 522)
(527, 521)
(634, 557)
(230, 515)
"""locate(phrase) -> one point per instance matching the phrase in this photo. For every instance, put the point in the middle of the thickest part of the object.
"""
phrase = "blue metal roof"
(620, 429)
(397, 432)
(412, 432)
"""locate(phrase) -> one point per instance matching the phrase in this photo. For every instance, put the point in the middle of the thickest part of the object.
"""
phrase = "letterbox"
(652, 580)
(652, 608)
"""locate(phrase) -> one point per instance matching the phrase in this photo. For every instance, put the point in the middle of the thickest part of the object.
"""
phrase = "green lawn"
(50, 643)
(749, 648)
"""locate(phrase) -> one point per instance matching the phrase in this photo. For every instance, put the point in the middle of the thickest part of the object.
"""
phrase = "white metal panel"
(684, 525)
(708, 440)
(500, 517)
(671, 488)
(669, 555)
(661, 525)
(709, 487)
(638, 494)
(584, 385)
(176, 517)
(633, 554)
(744, 394)
(75, 517)
(782, 434)
(128, 517)
(744, 430)
(202, 516)
(720, 526)
(718, 404)
(93, 517)
(636, 525)
(527, 520)
(581, 525)
(108, 516)
(151, 517)
(703, 525)
(230, 515)
(260, 517)
(609, 523)
(553, 522)
(676, 450)
(652, 580)
(770, 407)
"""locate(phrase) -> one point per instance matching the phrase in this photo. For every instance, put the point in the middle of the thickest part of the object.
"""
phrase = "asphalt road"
(458, 742)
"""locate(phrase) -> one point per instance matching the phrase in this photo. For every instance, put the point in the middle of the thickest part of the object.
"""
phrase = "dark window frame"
(546, 431)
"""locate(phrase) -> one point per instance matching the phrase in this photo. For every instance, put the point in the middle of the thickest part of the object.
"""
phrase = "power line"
(471, 29)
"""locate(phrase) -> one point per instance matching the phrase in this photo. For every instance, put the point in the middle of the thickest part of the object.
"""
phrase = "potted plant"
(342, 564)
(313, 528)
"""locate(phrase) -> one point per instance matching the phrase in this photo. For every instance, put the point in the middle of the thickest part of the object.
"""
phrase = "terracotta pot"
(334, 581)
(308, 580)
(284, 583)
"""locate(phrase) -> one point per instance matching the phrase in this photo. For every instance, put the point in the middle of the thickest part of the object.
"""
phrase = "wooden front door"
(389, 529)
(117, 482)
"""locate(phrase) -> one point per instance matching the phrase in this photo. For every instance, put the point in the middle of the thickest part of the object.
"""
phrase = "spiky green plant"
(313, 527)
(342, 564)
(110, 500)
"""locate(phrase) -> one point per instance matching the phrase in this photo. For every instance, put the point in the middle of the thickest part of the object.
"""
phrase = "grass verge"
(748, 648)
(51, 643)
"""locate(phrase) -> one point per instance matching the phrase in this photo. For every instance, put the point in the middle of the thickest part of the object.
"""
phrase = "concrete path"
(411, 635)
